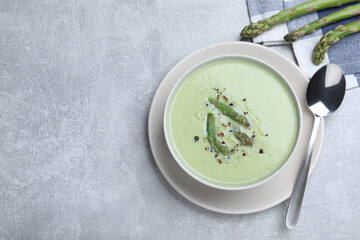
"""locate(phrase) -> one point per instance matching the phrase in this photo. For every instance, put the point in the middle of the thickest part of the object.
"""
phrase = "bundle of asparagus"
(329, 38)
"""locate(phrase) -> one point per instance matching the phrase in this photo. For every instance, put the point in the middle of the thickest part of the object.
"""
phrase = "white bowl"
(170, 144)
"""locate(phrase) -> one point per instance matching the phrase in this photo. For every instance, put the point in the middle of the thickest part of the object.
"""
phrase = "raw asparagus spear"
(332, 37)
(215, 144)
(228, 111)
(244, 139)
(257, 28)
(348, 12)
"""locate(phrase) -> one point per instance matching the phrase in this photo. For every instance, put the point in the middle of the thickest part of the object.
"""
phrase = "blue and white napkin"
(346, 52)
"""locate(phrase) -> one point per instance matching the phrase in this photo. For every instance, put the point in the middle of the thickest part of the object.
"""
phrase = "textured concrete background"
(76, 82)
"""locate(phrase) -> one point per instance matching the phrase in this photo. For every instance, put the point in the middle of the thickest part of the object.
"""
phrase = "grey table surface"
(76, 83)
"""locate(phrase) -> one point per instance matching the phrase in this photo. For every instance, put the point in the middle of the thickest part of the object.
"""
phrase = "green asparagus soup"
(232, 122)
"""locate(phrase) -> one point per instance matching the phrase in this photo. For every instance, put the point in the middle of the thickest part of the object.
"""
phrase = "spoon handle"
(297, 195)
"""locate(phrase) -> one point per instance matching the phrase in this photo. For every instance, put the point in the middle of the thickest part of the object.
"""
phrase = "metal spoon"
(324, 95)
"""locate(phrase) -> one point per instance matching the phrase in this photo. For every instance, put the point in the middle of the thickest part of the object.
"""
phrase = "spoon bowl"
(326, 90)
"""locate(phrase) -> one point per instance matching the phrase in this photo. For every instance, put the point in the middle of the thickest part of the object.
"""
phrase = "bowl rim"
(209, 61)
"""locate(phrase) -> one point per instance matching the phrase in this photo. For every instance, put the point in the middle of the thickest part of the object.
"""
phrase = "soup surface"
(253, 91)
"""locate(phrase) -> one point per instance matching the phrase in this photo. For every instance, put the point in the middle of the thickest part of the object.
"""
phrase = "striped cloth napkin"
(346, 52)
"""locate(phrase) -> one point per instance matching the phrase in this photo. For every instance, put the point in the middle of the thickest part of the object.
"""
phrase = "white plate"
(255, 199)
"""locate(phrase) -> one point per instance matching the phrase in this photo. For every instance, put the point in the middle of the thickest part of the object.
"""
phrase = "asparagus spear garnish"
(332, 37)
(215, 144)
(257, 28)
(228, 111)
(244, 139)
(348, 12)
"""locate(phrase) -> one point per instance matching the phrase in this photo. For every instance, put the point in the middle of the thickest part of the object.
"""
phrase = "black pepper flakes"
(244, 154)
(253, 136)
(222, 142)
(244, 99)
(196, 138)
(261, 151)
(266, 135)
(231, 104)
